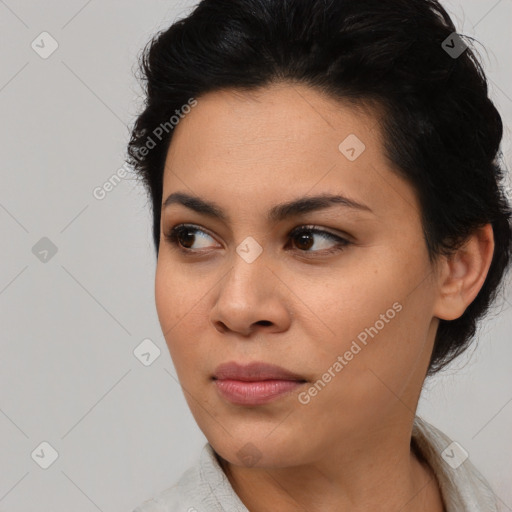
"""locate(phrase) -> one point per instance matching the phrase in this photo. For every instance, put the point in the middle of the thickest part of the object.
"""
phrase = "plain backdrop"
(77, 273)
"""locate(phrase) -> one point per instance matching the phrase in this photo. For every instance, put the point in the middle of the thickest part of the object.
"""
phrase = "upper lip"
(254, 371)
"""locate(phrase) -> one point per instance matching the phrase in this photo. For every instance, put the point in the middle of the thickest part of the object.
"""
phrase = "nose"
(251, 298)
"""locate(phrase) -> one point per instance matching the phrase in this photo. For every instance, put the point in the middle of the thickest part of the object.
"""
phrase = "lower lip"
(255, 392)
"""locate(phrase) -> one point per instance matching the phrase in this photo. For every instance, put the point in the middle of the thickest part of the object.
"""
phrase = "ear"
(462, 274)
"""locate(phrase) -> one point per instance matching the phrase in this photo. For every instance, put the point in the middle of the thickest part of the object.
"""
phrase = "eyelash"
(342, 243)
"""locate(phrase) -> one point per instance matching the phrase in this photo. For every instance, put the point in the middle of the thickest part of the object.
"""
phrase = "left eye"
(184, 236)
(305, 236)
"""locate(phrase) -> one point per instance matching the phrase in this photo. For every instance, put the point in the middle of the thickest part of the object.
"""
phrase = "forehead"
(277, 117)
(284, 140)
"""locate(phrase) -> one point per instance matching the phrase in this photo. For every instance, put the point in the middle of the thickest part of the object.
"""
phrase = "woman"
(329, 228)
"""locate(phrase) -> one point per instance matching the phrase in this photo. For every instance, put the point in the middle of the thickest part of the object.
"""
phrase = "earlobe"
(462, 274)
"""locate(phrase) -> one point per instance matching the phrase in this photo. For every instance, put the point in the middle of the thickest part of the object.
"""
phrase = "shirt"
(205, 488)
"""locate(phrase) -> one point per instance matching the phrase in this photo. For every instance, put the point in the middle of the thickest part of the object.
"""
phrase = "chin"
(257, 450)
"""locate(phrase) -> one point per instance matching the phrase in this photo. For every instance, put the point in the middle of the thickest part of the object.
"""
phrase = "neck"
(377, 471)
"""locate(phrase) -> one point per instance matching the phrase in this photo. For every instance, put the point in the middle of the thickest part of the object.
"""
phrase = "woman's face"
(352, 316)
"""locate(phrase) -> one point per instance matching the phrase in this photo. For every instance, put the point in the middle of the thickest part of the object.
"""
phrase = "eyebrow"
(277, 213)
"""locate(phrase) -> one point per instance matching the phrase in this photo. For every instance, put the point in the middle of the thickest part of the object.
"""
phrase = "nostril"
(264, 322)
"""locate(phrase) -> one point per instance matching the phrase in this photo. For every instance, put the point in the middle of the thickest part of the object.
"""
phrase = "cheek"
(183, 311)
(363, 374)
(353, 300)
(395, 350)
(378, 321)
(176, 294)
(176, 302)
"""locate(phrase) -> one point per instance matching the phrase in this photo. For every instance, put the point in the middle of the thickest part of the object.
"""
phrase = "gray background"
(69, 326)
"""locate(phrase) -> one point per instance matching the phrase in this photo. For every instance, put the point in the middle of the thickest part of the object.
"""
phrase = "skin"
(349, 447)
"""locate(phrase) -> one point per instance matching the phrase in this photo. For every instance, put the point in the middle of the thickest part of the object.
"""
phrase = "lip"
(255, 371)
(254, 384)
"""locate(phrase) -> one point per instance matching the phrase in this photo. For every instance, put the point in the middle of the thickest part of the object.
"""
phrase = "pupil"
(187, 233)
(304, 238)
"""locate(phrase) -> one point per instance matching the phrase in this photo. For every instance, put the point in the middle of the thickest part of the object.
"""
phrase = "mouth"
(256, 383)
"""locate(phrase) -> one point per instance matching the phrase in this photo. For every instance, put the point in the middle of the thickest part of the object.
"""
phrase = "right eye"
(183, 236)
